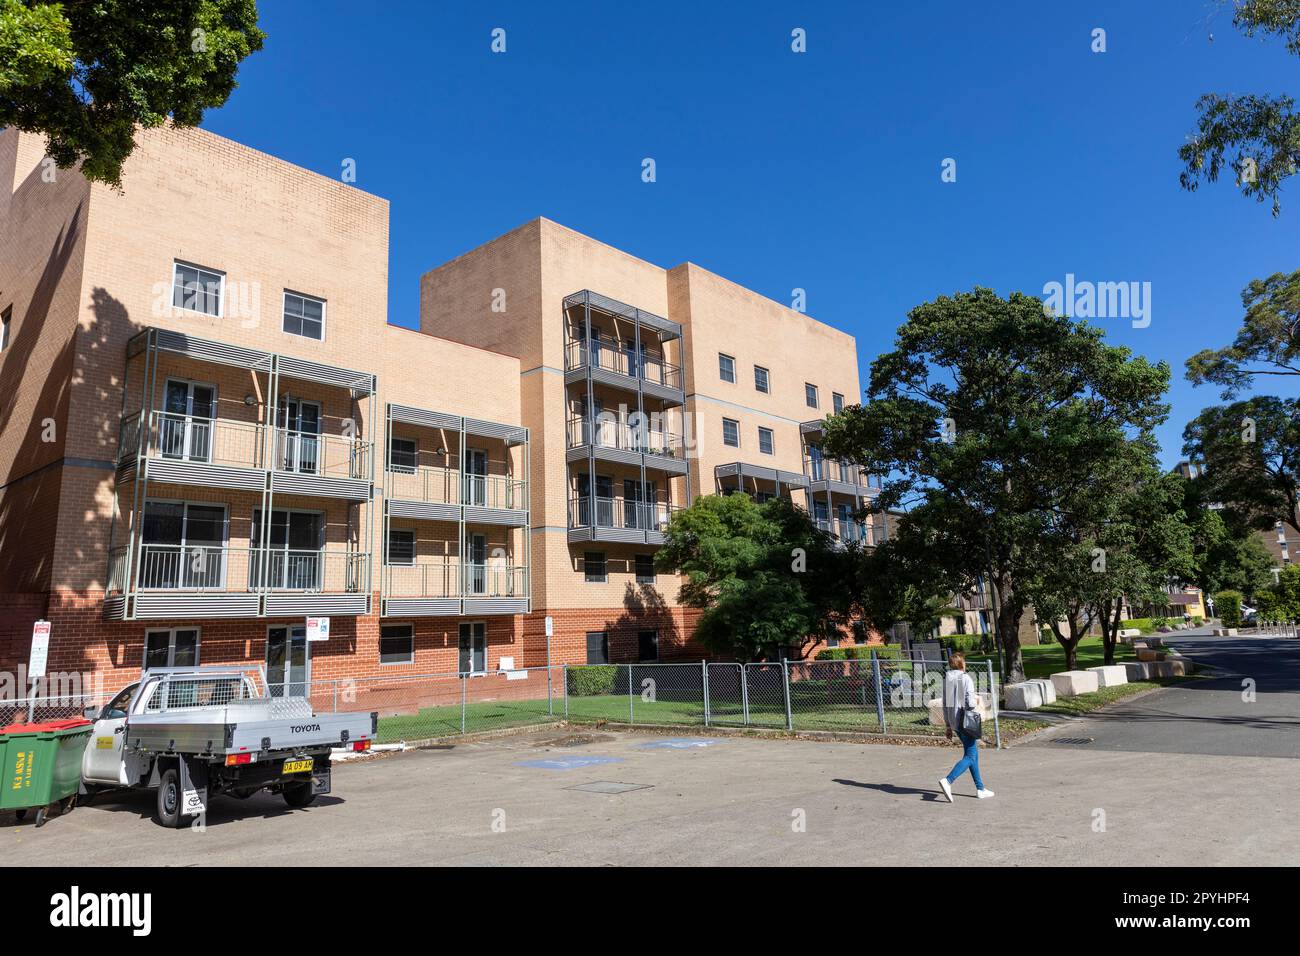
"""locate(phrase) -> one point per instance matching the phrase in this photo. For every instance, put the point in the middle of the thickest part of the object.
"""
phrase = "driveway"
(1211, 715)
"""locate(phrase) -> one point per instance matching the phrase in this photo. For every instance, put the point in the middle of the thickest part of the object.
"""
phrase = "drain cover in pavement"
(1072, 740)
(607, 786)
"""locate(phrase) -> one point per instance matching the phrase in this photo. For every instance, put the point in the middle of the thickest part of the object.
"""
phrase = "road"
(1215, 715)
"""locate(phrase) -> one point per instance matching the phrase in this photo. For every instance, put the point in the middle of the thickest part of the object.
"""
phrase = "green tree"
(1267, 344)
(1257, 136)
(1249, 452)
(765, 576)
(988, 415)
(1227, 556)
(87, 74)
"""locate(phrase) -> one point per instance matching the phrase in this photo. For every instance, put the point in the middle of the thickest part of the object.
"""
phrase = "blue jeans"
(970, 760)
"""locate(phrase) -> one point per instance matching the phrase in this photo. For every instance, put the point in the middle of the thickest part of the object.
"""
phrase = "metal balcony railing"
(611, 433)
(820, 469)
(219, 441)
(843, 530)
(623, 513)
(440, 486)
(650, 367)
(452, 578)
(198, 567)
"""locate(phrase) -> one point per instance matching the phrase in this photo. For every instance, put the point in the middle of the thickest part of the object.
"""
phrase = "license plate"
(297, 766)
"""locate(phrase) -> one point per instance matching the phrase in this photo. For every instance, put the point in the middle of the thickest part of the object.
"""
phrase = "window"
(647, 645)
(810, 395)
(726, 368)
(837, 402)
(761, 381)
(765, 440)
(597, 647)
(593, 564)
(832, 640)
(4, 327)
(473, 648)
(117, 707)
(396, 644)
(403, 455)
(401, 546)
(645, 569)
(731, 432)
(304, 316)
(178, 647)
(197, 289)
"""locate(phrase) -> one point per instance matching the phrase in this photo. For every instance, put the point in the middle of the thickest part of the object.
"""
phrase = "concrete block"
(1135, 671)
(1024, 696)
(1129, 632)
(1150, 654)
(1073, 683)
(1110, 675)
(1047, 687)
(935, 707)
(1169, 669)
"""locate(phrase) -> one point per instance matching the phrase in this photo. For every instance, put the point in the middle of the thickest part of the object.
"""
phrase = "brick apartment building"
(210, 432)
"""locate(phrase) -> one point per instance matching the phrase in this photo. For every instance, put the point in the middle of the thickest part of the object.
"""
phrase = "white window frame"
(6, 319)
(767, 380)
(653, 576)
(604, 575)
(410, 636)
(837, 402)
(732, 360)
(771, 441)
(186, 504)
(811, 391)
(388, 548)
(415, 454)
(324, 314)
(171, 644)
(221, 292)
(732, 421)
(471, 625)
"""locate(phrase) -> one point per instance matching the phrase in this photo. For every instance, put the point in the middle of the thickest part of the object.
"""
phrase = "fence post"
(744, 694)
(464, 688)
(564, 673)
(785, 681)
(631, 708)
(880, 697)
(704, 666)
(550, 704)
(997, 726)
(336, 696)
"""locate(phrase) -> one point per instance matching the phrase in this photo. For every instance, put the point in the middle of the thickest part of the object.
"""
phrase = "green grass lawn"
(1044, 660)
(813, 707)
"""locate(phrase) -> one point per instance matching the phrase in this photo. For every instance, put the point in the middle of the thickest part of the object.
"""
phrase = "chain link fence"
(875, 696)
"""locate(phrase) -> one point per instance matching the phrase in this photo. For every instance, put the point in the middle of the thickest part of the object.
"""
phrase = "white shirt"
(958, 692)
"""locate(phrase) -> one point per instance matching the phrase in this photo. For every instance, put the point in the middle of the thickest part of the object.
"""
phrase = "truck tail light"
(235, 760)
(360, 745)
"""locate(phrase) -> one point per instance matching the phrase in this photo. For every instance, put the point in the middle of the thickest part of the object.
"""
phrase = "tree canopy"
(764, 575)
(87, 74)
(1257, 136)
(989, 415)
(1267, 344)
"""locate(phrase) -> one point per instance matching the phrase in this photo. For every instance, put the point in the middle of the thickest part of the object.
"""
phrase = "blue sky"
(780, 170)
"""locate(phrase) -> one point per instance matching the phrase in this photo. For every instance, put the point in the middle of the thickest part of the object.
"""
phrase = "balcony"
(611, 440)
(451, 588)
(844, 531)
(838, 477)
(618, 519)
(440, 494)
(222, 453)
(200, 580)
(612, 357)
(617, 364)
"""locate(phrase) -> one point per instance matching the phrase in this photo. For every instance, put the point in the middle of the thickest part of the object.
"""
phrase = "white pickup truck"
(191, 733)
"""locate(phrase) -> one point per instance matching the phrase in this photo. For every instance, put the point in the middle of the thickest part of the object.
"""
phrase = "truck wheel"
(298, 795)
(169, 798)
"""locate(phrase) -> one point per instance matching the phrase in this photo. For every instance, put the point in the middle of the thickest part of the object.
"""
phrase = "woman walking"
(959, 699)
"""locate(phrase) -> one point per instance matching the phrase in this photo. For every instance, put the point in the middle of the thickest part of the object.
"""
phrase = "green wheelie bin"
(41, 765)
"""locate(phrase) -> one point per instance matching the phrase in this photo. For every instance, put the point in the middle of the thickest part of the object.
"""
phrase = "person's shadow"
(891, 789)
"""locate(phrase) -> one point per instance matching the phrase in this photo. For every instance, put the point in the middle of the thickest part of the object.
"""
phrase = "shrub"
(1046, 636)
(966, 643)
(1228, 604)
(1145, 625)
(590, 680)
(860, 652)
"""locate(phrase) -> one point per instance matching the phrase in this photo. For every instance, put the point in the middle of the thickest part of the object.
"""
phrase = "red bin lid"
(45, 726)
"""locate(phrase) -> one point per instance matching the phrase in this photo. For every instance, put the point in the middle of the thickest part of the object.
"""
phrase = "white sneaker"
(983, 794)
(947, 788)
